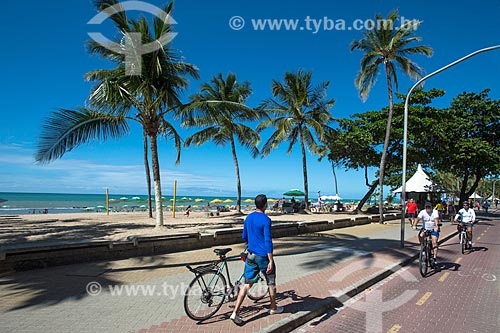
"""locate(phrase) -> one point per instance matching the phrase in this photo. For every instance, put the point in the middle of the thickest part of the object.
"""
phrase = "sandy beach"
(18, 229)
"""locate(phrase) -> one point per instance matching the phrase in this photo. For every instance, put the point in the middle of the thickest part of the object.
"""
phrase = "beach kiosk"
(421, 188)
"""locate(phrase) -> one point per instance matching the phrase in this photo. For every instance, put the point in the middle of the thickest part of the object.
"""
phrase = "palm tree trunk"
(238, 180)
(386, 146)
(463, 189)
(335, 180)
(304, 167)
(366, 196)
(156, 178)
(148, 173)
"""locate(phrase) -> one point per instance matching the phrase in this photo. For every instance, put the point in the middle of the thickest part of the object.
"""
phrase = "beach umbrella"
(272, 200)
(216, 201)
(143, 206)
(199, 200)
(248, 200)
(330, 197)
(228, 200)
(136, 198)
(294, 193)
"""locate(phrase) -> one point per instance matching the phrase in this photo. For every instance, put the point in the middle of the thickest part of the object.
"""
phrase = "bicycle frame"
(217, 266)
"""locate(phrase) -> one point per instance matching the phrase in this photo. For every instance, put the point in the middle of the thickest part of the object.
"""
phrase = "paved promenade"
(463, 297)
(316, 273)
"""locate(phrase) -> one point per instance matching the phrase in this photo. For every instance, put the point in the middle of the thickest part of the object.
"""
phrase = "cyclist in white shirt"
(430, 222)
(466, 217)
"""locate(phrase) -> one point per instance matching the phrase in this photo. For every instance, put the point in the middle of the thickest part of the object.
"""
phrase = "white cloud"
(19, 172)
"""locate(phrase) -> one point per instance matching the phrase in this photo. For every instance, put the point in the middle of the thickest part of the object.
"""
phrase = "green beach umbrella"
(294, 193)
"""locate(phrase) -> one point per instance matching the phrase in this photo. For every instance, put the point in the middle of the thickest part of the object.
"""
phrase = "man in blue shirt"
(257, 233)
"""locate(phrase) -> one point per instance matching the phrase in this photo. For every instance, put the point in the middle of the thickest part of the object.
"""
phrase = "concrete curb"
(300, 318)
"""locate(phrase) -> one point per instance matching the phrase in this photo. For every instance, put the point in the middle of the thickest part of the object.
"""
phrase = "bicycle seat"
(221, 252)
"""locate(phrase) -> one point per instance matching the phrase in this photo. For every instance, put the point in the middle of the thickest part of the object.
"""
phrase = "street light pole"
(405, 129)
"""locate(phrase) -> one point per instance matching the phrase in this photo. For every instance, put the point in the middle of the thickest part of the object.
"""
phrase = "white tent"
(475, 196)
(421, 183)
(490, 198)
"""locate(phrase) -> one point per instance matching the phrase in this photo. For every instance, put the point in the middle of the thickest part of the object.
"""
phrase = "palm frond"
(67, 129)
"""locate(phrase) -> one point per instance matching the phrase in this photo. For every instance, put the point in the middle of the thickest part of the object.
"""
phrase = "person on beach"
(188, 210)
(257, 234)
(411, 211)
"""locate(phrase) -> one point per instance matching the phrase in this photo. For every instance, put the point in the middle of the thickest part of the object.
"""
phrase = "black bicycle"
(208, 290)
(464, 239)
(425, 256)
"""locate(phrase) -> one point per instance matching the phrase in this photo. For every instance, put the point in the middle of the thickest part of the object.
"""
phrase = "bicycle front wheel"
(205, 295)
(423, 259)
(463, 242)
(259, 289)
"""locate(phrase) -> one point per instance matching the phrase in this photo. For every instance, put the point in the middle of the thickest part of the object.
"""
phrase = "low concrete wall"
(285, 229)
(359, 220)
(29, 256)
(342, 223)
(305, 227)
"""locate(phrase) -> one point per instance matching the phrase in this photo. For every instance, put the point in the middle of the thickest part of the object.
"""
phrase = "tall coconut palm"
(389, 47)
(119, 96)
(220, 110)
(299, 112)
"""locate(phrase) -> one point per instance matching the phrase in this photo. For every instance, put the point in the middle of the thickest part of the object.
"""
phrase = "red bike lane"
(463, 297)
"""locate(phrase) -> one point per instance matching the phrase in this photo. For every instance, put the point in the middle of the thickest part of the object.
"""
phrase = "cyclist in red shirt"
(411, 211)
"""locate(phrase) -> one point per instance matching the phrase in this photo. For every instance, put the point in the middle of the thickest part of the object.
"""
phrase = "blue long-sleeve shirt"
(257, 233)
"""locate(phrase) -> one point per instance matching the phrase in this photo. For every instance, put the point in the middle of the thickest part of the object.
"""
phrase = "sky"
(44, 61)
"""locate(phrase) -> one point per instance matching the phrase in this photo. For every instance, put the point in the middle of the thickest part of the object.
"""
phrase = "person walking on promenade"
(451, 211)
(411, 211)
(257, 234)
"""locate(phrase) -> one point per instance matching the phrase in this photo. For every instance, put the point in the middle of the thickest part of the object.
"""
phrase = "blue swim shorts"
(255, 264)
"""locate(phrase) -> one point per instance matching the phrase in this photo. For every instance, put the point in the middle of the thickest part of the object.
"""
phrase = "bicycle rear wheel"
(205, 295)
(259, 289)
(423, 260)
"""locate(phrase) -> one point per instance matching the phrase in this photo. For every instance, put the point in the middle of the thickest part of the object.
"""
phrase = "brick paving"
(314, 273)
(463, 297)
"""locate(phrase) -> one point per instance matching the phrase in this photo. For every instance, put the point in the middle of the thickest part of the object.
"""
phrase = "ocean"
(29, 203)
(53, 203)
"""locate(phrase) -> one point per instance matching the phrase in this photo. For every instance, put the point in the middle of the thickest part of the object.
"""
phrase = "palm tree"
(220, 110)
(387, 46)
(151, 93)
(299, 113)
